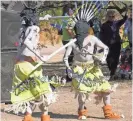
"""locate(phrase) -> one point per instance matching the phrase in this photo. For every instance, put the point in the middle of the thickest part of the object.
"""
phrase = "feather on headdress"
(82, 16)
(88, 10)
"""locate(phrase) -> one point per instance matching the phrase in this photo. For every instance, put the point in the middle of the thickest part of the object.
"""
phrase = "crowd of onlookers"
(109, 33)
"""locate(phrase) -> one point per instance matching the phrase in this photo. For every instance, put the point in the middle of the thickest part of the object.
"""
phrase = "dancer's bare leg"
(82, 111)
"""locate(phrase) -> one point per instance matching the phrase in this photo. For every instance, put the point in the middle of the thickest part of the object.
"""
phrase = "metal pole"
(55, 17)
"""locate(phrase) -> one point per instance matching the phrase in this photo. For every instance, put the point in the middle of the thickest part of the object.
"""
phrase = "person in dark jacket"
(109, 35)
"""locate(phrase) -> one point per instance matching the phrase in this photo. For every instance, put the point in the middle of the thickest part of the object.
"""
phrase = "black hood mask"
(82, 30)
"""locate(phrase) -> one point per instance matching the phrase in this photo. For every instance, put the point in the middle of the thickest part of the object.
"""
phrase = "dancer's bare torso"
(32, 41)
(84, 54)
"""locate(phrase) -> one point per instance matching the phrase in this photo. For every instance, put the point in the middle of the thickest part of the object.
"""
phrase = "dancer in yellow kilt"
(30, 87)
(90, 78)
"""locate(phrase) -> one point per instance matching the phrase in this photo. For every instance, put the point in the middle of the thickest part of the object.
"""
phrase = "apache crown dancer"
(92, 79)
(28, 88)
(27, 58)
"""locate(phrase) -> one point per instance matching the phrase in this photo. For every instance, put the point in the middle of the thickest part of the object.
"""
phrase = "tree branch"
(117, 8)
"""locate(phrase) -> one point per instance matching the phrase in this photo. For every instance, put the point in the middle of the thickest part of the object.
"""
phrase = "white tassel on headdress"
(88, 10)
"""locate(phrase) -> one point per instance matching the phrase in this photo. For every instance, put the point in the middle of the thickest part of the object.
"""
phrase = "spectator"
(94, 29)
(124, 39)
(96, 26)
(128, 33)
(67, 32)
(109, 35)
(128, 28)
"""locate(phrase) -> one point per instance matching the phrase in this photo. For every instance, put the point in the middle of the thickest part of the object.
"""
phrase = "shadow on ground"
(20, 114)
(58, 116)
(62, 116)
(53, 115)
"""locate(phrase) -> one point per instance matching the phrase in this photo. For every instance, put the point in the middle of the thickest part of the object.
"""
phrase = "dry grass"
(49, 35)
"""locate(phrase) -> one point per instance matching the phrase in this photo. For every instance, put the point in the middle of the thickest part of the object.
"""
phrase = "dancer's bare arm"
(101, 45)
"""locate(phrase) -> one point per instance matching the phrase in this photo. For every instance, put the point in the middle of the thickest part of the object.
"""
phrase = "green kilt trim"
(30, 93)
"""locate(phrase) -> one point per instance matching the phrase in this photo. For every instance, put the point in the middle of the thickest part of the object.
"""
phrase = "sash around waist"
(88, 63)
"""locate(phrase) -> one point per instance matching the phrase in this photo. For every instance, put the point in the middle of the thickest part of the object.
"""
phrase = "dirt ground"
(65, 109)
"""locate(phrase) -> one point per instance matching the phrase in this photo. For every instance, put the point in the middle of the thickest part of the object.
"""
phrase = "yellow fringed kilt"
(30, 90)
(93, 80)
